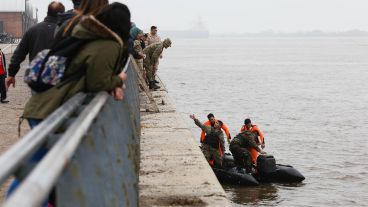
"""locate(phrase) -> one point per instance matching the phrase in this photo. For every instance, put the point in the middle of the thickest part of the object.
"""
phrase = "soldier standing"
(152, 39)
(153, 36)
(153, 53)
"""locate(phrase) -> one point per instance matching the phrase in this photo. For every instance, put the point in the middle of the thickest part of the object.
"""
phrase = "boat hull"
(231, 175)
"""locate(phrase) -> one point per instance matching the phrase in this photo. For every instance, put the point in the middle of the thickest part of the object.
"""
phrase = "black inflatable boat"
(267, 171)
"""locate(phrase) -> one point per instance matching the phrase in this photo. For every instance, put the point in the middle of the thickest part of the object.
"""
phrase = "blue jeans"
(36, 157)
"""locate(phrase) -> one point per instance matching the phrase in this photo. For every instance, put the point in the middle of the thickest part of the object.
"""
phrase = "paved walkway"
(10, 113)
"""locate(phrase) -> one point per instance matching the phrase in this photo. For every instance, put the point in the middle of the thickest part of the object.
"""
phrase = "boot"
(153, 86)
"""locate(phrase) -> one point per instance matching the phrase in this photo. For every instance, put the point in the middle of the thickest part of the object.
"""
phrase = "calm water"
(308, 95)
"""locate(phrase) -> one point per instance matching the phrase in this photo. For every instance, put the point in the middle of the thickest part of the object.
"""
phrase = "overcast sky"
(239, 16)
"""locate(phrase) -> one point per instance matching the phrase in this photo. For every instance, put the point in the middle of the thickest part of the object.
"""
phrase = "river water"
(309, 96)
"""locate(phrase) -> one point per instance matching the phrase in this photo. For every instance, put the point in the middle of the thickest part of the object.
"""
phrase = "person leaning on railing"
(106, 35)
(97, 58)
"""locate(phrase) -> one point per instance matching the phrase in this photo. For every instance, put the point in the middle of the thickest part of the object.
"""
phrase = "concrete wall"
(105, 168)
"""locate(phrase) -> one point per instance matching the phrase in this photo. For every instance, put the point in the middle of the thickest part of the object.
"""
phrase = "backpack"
(49, 66)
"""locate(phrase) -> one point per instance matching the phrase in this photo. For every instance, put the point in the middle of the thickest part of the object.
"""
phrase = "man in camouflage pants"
(153, 53)
(240, 146)
(213, 142)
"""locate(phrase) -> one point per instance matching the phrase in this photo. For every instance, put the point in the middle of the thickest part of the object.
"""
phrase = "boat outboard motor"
(266, 164)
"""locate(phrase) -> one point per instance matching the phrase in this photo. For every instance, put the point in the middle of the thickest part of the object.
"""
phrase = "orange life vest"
(223, 127)
(260, 140)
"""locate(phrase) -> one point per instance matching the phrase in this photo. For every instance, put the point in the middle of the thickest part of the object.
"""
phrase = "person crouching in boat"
(258, 138)
(213, 143)
(239, 148)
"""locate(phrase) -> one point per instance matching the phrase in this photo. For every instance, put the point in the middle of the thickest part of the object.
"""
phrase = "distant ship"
(200, 34)
(198, 31)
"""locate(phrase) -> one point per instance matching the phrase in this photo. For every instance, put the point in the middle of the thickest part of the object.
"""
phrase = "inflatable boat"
(267, 171)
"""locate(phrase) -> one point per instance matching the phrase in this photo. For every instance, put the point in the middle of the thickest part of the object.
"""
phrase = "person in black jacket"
(36, 39)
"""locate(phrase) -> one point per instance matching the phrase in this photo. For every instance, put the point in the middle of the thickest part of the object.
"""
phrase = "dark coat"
(37, 38)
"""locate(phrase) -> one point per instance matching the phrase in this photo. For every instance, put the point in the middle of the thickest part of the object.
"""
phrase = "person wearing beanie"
(139, 37)
(135, 34)
(153, 53)
(259, 138)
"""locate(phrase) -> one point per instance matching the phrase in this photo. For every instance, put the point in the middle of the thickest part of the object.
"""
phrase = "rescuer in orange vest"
(248, 126)
(211, 121)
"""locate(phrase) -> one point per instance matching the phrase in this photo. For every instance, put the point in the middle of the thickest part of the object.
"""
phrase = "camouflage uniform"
(138, 48)
(153, 53)
(212, 152)
(152, 39)
(239, 148)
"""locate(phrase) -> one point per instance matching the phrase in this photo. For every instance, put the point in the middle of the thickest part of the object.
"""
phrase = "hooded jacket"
(98, 58)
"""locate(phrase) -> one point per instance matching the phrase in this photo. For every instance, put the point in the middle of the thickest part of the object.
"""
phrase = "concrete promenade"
(173, 170)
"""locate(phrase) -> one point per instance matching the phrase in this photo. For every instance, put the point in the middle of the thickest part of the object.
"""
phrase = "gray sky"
(239, 16)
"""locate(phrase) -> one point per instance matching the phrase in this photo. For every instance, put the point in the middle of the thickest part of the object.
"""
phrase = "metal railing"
(93, 153)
